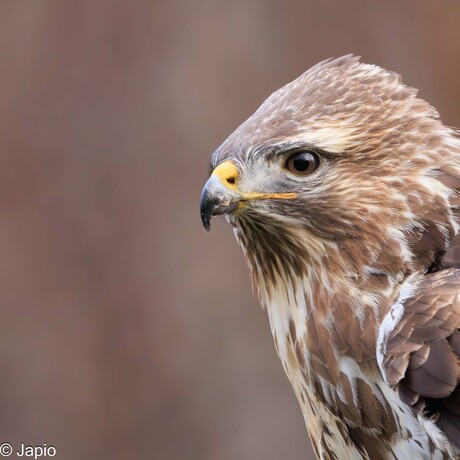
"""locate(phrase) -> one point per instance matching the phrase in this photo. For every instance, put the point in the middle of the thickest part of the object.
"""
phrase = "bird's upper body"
(343, 191)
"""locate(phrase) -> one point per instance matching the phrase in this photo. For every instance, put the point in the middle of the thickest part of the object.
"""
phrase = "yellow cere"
(227, 172)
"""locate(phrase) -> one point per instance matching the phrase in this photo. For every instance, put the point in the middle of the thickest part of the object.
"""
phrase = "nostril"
(231, 180)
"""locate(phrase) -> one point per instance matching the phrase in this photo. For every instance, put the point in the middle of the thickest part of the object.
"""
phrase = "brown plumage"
(343, 190)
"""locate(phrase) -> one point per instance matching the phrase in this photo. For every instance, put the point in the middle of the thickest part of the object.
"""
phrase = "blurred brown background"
(125, 330)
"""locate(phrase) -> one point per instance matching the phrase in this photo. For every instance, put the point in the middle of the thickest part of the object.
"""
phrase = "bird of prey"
(343, 192)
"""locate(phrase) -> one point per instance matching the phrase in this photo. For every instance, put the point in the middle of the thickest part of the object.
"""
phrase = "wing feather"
(449, 176)
(420, 352)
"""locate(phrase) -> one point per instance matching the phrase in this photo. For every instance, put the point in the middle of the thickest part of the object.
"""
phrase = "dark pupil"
(301, 163)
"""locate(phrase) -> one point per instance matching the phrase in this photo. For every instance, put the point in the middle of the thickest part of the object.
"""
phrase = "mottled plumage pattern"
(360, 272)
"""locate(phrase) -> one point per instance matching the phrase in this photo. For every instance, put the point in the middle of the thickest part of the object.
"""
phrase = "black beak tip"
(207, 206)
(206, 220)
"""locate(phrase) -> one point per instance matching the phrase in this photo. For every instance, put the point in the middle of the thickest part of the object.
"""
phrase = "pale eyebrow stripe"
(272, 152)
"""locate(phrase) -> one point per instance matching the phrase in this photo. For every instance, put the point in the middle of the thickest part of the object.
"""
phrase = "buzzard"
(343, 192)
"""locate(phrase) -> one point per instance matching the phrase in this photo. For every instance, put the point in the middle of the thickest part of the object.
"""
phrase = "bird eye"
(302, 163)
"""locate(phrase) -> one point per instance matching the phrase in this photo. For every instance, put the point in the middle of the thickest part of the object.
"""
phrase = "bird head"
(345, 163)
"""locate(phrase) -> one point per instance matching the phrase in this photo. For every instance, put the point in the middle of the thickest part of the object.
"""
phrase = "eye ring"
(302, 163)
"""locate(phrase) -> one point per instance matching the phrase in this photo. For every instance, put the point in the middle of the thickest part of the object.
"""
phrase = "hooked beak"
(220, 194)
